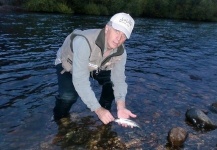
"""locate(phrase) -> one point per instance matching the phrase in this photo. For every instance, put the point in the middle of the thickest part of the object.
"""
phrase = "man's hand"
(104, 115)
(125, 113)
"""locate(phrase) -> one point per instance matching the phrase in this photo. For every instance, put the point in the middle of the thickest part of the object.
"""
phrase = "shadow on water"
(172, 65)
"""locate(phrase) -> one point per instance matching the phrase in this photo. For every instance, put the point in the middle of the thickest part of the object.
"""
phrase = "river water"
(171, 66)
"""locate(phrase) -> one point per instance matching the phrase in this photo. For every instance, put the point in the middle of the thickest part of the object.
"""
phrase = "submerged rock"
(195, 77)
(213, 107)
(177, 136)
(133, 143)
(199, 119)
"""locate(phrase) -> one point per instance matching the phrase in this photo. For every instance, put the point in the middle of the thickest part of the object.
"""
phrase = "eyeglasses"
(119, 33)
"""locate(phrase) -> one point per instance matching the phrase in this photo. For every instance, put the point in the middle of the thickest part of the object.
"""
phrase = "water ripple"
(172, 65)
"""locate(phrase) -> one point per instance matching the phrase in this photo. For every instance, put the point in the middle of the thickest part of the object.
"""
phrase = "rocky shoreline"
(10, 9)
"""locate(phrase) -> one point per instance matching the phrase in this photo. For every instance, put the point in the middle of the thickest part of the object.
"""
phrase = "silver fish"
(128, 122)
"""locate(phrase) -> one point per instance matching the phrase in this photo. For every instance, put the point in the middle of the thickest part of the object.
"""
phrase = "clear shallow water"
(172, 66)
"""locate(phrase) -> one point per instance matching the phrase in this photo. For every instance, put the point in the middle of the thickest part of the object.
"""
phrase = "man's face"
(114, 37)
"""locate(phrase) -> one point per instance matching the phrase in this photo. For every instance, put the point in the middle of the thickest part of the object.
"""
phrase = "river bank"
(10, 8)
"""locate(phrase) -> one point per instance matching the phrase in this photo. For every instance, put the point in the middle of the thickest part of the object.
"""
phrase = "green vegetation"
(47, 6)
(202, 10)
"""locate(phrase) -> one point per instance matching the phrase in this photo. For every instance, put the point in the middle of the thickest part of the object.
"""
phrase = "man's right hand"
(104, 115)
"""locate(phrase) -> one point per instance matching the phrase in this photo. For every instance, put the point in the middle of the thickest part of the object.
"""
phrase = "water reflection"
(172, 65)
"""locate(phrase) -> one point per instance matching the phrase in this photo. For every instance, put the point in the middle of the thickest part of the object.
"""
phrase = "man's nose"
(119, 37)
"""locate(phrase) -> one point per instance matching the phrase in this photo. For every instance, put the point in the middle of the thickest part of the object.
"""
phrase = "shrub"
(47, 6)
(63, 8)
(91, 9)
(103, 10)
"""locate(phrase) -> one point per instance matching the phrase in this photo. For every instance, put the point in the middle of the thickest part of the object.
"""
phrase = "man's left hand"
(125, 113)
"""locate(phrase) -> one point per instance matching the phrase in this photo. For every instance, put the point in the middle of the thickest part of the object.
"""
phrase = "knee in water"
(68, 98)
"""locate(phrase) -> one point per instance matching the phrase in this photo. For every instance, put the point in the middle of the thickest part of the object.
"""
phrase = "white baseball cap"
(123, 22)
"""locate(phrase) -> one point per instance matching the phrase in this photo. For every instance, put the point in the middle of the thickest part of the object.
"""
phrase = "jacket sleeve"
(81, 74)
(118, 78)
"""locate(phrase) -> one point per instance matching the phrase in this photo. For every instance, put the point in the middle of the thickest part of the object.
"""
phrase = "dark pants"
(68, 95)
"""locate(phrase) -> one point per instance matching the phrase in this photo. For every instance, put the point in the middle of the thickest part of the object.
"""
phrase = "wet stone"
(177, 136)
(214, 107)
(199, 119)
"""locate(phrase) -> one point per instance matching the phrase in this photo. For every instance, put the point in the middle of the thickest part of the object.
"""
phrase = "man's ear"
(106, 28)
